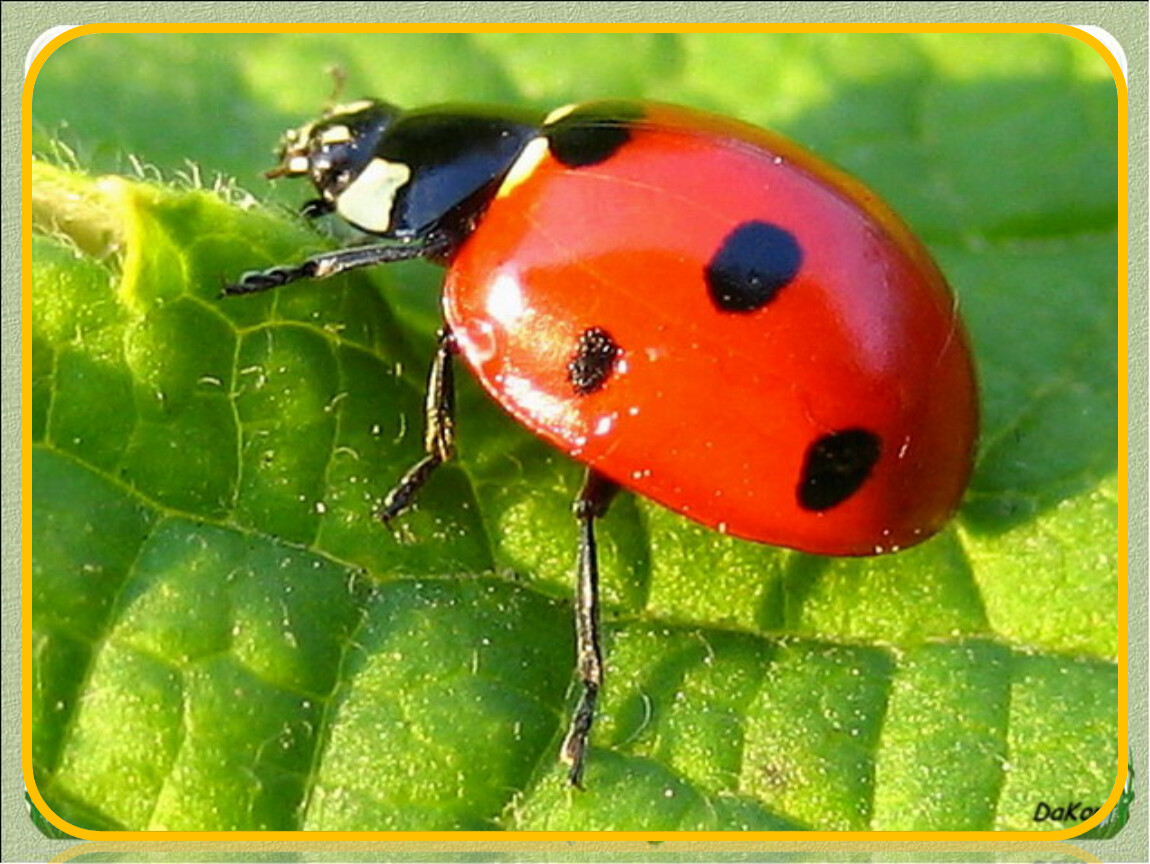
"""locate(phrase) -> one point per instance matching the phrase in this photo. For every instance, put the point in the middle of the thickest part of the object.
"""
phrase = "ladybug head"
(334, 149)
(403, 174)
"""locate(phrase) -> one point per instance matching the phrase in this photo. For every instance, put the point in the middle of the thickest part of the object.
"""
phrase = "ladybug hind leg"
(592, 502)
(439, 433)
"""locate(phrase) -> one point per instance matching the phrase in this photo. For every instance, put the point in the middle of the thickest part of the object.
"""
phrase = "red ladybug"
(698, 310)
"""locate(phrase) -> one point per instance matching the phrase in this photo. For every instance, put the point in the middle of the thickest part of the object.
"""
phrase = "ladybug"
(698, 310)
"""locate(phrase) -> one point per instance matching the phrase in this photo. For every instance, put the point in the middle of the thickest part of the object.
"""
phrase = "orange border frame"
(788, 836)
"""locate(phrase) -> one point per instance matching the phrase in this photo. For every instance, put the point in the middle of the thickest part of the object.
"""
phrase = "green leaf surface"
(225, 638)
(43, 825)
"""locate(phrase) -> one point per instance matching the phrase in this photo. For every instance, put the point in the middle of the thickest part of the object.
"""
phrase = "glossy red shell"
(710, 413)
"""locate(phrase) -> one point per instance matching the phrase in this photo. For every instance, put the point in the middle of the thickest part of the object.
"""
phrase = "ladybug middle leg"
(439, 433)
(591, 504)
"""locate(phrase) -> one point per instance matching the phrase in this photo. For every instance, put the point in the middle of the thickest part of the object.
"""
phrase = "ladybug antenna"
(338, 80)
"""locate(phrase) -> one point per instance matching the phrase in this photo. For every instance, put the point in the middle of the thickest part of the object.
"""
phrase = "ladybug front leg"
(432, 245)
(439, 434)
(592, 503)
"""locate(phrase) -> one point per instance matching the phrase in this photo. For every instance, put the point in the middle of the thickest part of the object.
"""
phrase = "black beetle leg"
(316, 207)
(439, 433)
(592, 503)
(340, 261)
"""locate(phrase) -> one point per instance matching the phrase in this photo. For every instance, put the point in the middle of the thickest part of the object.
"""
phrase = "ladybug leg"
(316, 208)
(439, 435)
(592, 503)
(327, 264)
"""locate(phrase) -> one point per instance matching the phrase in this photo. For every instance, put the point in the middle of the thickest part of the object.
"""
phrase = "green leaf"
(1117, 818)
(225, 638)
(43, 825)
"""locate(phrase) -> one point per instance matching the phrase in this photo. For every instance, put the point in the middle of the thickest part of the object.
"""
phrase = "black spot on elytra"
(591, 134)
(593, 361)
(836, 466)
(754, 263)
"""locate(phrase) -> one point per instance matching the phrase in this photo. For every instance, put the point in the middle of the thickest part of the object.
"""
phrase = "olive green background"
(23, 21)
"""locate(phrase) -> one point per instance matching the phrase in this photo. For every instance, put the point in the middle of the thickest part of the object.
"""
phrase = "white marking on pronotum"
(337, 134)
(524, 166)
(559, 113)
(350, 108)
(367, 202)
